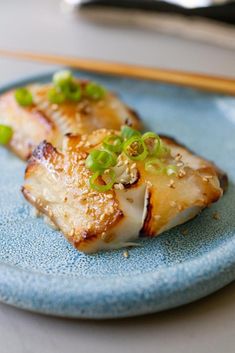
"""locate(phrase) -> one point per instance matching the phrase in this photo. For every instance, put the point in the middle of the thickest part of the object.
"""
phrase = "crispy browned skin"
(46, 121)
(57, 184)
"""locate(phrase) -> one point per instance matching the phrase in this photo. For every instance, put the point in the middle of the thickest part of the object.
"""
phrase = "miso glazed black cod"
(29, 115)
(105, 189)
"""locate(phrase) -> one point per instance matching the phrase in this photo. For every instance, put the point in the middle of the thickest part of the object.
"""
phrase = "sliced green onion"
(135, 149)
(55, 96)
(152, 141)
(127, 132)
(113, 143)
(72, 91)
(6, 133)
(23, 96)
(155, 166)
(62, 78)
(102, 187)
(95, 91)
(163, 150)
(171, 169)
(99, 160)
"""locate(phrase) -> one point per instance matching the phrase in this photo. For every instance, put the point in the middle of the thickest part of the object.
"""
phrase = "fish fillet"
(140, 203)
(46, 121)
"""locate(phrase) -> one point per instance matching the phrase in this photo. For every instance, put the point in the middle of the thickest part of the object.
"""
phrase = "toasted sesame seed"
(72, 232)
(181, 173)
(178, 157)
(171, 184)
(126, 254)
(103, 234)
(157, 217)
(102, 217)
(184, 231)
(133, 166)
(173, 204)
(130, 200)
(205, 179)
(216, 216)
(119, 186)
(111, 209)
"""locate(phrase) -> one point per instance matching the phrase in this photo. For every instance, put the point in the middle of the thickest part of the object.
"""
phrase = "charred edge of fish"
(146, 228)
(134, 114)
(43, 151)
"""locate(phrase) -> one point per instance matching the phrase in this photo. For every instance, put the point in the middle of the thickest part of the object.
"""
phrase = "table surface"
(207, 325)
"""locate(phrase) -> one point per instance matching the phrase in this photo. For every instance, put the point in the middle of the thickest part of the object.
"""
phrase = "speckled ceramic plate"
(40, 271)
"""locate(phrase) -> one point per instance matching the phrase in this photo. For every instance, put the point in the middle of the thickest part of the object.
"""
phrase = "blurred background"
(191, 35)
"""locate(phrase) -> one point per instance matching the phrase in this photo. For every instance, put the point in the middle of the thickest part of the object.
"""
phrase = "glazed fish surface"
(67, 105)
(106, 189)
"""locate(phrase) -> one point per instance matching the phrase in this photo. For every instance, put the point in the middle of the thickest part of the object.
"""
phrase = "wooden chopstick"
(205, 82)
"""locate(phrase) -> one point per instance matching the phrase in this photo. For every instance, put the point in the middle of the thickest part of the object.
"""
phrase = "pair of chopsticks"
(204, 82)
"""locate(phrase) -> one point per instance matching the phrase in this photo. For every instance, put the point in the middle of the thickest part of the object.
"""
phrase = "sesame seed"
(130, 199)
(216, 216)
(103, 234)
(205, 179)
(171, 184)
(172, 203)
(119, 186)
(126, 254)
(102, 217)
(133, 166)
(157, 217)
(71, 233)
(184, 231)
(178, 157)
(111, 209)
(181, 173)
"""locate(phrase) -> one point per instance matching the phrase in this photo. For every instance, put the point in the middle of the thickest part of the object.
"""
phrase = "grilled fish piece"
(57, 184)
(46, 121)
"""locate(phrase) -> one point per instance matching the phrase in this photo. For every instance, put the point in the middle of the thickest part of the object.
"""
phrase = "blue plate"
(42, 272)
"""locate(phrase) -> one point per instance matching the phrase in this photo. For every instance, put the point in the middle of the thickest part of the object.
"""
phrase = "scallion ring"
(102, 187)
(127, 132)
(72, 91)
(113, 143)
(163, 150)
(154, 165)
(6, 133)
(99, 160)
(62, 78)
(95, 91)
(55, 96)
(152, 142)
(135, 149)
(23, 96)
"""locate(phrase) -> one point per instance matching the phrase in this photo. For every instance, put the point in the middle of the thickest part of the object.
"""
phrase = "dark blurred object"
(223, 11)
(207, 21)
